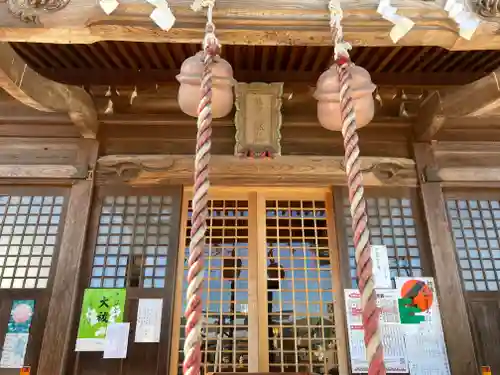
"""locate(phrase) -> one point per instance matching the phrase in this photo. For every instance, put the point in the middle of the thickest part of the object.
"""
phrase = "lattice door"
(301, 325)
(226, 291)
(268, 294)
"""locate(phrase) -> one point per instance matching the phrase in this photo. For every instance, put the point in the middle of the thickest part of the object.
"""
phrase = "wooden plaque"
(258, 119)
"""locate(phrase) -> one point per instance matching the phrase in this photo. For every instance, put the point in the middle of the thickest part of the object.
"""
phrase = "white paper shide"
(148, 324)
(401, 24)
(466, 21)
(108, 6)
(162, 15)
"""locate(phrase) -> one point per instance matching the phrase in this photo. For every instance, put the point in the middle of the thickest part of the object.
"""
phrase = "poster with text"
(100, 308)
(424, 338)
(17, 336)
(148, 323)
(391, 331)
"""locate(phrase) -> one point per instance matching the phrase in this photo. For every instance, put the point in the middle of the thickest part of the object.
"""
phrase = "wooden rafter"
(121, 77)
(38, 92)
(478, 98)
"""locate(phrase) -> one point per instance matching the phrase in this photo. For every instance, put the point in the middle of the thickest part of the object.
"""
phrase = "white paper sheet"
(381, 269)
(148, 324)
(116, 342)
(14, 350)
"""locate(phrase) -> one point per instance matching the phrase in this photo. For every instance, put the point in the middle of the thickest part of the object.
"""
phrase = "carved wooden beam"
(264, 22)
(43, 158)
(230, 170)
(462, 164)
(478, 98)
(38, 92)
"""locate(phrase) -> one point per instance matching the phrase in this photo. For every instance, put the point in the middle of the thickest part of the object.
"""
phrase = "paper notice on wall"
(116, 341)
(425, 345)
(100, 308)
(148, 324)
(381, 269)
(391, 330)
(14, 350)
(17, 336)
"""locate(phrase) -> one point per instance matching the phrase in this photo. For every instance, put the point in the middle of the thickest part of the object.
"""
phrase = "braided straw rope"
(193, 312)
(371, 312)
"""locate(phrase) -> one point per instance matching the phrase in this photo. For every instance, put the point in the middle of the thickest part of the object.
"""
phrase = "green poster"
(100, 307)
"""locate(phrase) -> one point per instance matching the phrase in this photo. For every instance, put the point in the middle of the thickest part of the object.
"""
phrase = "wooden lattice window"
(29, 228)
(392, 222)
(225, 293)
(475, 224)
(132, 242)
(301, 326)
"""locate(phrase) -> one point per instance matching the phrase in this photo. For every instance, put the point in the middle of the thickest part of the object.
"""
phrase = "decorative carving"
(29, 10)
(488, 8)
(387, 171)
(227, 169)
(258, 119)
(130, 169)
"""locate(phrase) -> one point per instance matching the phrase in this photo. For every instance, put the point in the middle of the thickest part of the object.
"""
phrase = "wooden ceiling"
(128, 63)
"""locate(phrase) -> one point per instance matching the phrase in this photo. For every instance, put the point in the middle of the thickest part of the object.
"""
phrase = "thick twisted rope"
(193, 312)
(371, 312)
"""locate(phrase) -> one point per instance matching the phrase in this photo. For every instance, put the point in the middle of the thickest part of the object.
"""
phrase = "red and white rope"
(364, 268)
(193, 312)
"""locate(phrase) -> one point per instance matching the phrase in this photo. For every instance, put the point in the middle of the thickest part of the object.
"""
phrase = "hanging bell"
(328, 96)
(190, 81)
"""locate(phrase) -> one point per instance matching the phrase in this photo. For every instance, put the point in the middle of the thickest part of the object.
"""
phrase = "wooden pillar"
(456, 326)
(339, 304)
(62, 308)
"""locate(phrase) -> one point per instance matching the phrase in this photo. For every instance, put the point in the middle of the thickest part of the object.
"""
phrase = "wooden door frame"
(257, 293)
(166, 293)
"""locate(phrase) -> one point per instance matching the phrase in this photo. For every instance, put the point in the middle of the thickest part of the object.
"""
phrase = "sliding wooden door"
(31, 223)
(269, 289)
(132, 244)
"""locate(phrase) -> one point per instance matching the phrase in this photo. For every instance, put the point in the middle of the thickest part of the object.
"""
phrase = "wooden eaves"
(262, 22)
